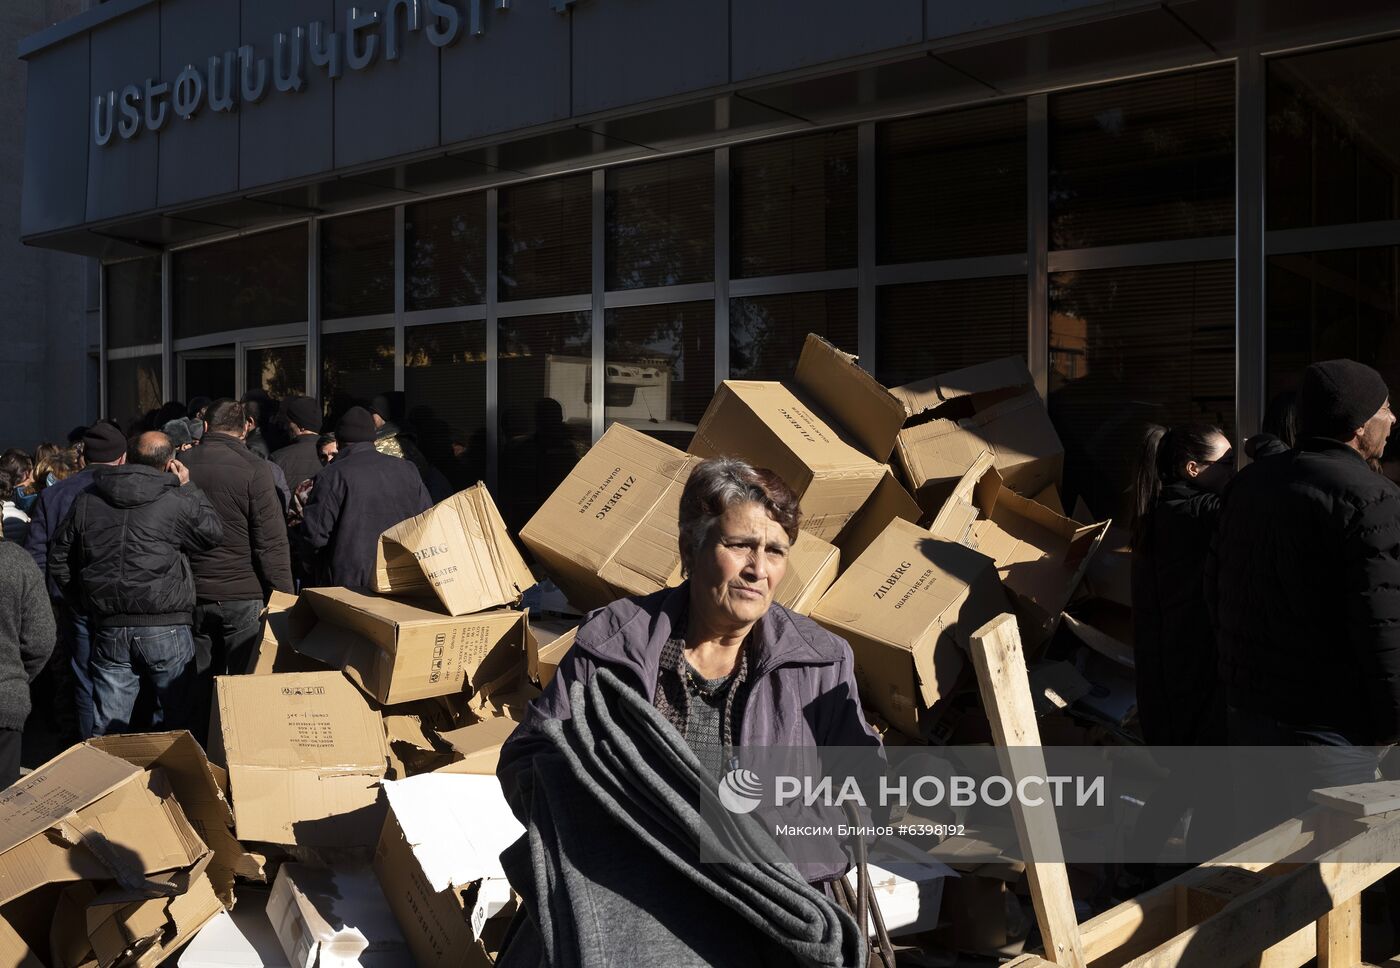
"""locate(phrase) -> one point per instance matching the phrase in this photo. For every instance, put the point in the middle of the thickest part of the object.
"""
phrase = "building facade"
(482, 211)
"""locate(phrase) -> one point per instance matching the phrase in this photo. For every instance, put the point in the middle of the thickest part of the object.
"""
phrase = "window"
(929, 328)
(445, 397)
(952, 185)
(766, 333)
(660, 223)
(1133, 347)
(1143, 160)
(133, 303)
(1332, 152)
(355, 367)
(545, 233)
(1324, 305)
(133, 389)
(445, 253)
(279, 371)
(793, 205)
(659, 366)
(247, 282)
(357, 265)
(546, 397)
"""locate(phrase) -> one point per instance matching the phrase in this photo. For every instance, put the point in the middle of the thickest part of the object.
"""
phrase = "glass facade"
(1090, 230)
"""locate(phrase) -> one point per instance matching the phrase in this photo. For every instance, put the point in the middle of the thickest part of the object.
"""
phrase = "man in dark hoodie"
(120, 556)
(357, 497)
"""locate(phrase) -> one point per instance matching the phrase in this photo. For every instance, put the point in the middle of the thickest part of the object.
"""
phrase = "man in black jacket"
(357, 497)
(1304, 586)
(120, 557)
(233, 579)
(298, 459)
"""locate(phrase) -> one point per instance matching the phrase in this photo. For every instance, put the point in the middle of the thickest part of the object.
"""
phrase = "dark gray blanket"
(619, 813)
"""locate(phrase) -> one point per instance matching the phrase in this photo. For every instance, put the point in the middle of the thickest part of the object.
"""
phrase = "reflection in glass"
(1133, 347)
(659, 363)
(546, 396)
(445, 252)
(132, 303)
(133, 389)
(355, 367)
(545, 231)
(1333, 155)
(1144, 160)
(952, 185)
(250, 281)
(357, 265)
(1325, 305)
(929, 328)
(279, 371)
(766, 333)
(793, 205)
(661, 223)
(445, 397)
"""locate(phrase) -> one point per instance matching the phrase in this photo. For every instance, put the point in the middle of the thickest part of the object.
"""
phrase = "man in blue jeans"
(121, 557)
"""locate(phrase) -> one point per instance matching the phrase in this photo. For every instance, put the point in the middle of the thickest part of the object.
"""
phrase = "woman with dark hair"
(1279, 430)
(20, 468)
(1180, 476)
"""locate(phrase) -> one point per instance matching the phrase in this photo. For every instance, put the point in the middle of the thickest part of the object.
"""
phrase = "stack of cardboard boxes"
(355, 763)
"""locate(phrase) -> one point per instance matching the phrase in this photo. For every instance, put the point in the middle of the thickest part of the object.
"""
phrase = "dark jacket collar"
(1327, 445)
(219, 437)
(631, 633)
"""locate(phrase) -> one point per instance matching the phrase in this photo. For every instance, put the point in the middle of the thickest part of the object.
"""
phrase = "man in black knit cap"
(357, 497)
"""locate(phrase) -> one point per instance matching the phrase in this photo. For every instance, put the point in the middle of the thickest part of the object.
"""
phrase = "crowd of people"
(135, 566)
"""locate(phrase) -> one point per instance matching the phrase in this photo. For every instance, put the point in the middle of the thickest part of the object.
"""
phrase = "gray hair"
(720, 483)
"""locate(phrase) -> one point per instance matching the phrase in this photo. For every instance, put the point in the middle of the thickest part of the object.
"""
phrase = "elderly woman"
(715, 655)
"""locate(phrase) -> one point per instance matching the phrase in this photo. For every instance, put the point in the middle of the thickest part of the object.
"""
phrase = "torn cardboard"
(478, 746)
(398, 652)
(1040, 555)
(334, 918)
(438, 863)
(283, 624)
(888, 501)
(458, 548)
(812, 566)
(304, 754)
(907, 606)
(611, 529)
(240, 938)
(956, 416)
(827, 432)
(549, 640)
(137, 929)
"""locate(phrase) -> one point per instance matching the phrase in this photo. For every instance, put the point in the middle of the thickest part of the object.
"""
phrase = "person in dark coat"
(27, 635)
(233, 580)
(120, 557)
(1180, 475)
(357, 497)
(298, 459)
(103, 446)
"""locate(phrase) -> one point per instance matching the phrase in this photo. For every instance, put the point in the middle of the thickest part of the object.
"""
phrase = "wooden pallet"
(1301, 900)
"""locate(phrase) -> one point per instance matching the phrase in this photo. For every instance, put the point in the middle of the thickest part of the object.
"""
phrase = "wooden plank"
(1339, 936)
(1360, 799)
(1228, 884)
(1277, 910)
(1006, 698)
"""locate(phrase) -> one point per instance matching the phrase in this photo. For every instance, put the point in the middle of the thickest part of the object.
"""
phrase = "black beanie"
(304, 412)
(356, 427)
(1337, 397)
(103, 443)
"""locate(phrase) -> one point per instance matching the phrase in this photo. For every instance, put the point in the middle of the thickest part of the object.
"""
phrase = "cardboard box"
(439, 864)
(812, 567)
(139, 928)
(827, 433)
(908, 886)
(888, 501)
(610, 530)
(283, 625)
(1041, 556)
(544, 661)
(304, 754)
(397, 652)
(202, 791)
(550, 638)
(907, 606)
(956, 416)
(478, 746)
(240, 938)
(334, 918)
(460, 550)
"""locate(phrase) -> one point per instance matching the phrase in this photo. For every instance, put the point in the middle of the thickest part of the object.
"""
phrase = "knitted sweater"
(26, 631)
